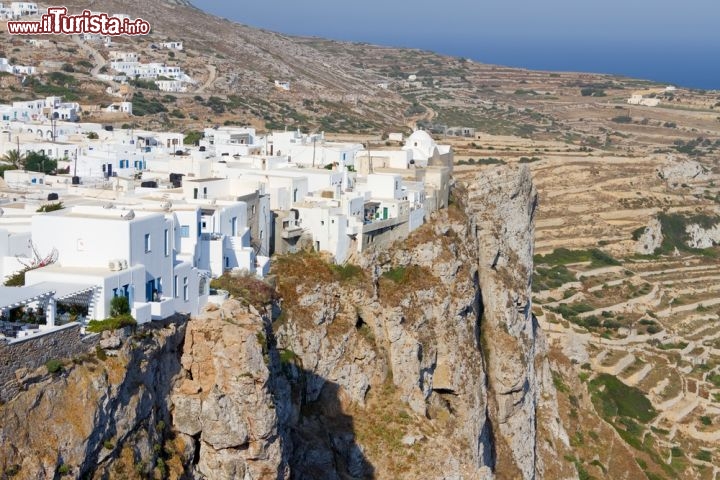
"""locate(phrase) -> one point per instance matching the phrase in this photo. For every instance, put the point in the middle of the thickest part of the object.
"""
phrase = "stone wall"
(33, 352)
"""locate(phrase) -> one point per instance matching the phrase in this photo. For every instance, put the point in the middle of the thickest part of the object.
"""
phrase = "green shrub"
(119, 306)
(549, 278)
(107, 444)
(564, 256)
(347, 271)
(17, 279)
(112, 323)
(63, 469)
(51, 207)
(12, 470)
(490, 160)
(704, 455)
(100, 353)
(637, 233)
(613, 398)
(54, 366)
(146, 106)
(192, 137)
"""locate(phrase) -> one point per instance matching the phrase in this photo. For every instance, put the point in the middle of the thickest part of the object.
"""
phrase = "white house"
(120, 253)
(171, 45)
(124, 56)
(282, 85)
(637, 99)
(173, 86)
(6, 67)
(22, 9)
(311, 150)
(120, 107)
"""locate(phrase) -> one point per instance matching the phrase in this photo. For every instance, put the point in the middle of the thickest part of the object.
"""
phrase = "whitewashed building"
(120, 253)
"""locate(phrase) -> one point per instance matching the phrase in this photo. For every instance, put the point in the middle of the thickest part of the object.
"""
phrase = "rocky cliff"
(101, 415)
(422, 361)
(228, 404)
(432, 346)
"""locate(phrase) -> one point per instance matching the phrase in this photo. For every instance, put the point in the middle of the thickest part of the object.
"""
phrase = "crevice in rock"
(495, 260)
(196, 448)
(478, 309)
(487, 443)
(359, 322)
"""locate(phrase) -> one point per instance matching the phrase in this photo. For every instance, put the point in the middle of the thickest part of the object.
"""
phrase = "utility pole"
(313, 160)
(370, 165)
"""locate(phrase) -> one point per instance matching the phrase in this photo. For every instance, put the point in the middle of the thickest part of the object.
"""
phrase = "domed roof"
(421, 143)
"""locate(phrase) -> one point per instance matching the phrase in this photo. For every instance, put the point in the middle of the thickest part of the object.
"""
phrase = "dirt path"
(212, 75)
(100, 61)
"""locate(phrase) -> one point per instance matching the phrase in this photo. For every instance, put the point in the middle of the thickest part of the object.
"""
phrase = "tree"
(39, 162)
(15, 158)
(93, 136)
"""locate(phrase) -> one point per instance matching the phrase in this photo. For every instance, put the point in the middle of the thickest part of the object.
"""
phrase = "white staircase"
(94, 300)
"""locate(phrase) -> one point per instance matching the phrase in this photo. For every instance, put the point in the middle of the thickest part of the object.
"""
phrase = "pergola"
(46, 293)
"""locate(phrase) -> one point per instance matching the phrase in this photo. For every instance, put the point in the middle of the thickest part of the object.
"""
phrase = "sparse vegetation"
(563, 256)
(54, 366)
(113, 323)
(246, 288)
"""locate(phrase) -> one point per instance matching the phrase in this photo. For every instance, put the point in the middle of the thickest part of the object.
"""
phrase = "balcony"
(380, 224)
(291, 230)
(142, 312)
(162, 309)
(211, 237)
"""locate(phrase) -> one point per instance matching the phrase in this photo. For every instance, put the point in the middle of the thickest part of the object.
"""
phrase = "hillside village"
(144, 215)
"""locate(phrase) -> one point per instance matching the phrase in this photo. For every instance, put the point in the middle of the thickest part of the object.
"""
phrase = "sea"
(693, 66)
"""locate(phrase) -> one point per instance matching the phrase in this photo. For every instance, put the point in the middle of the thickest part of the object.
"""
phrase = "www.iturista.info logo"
(57, 22)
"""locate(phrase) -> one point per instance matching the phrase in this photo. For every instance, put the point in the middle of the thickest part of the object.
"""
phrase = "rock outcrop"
(503, 204)
(223, 405)
(651, 238)
(699, 237)
(675, 173)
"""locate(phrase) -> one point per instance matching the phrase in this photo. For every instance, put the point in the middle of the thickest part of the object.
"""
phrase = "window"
(167, 242)
(233, 226)
(186, 292)
(147, 243)
(185, 231)
(175, 286)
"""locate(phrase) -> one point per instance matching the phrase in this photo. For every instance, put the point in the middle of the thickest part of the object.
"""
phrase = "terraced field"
(612, 312)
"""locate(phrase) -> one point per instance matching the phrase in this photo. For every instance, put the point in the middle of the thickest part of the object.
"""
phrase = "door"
(385, 213)
(149, 288)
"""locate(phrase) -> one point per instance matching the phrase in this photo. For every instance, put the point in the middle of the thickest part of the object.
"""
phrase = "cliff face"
(440, 331)
(224, 407)
(102, 414)
(423, 362)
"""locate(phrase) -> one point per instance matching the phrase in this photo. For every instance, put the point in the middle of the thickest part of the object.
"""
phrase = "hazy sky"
(659, 39)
